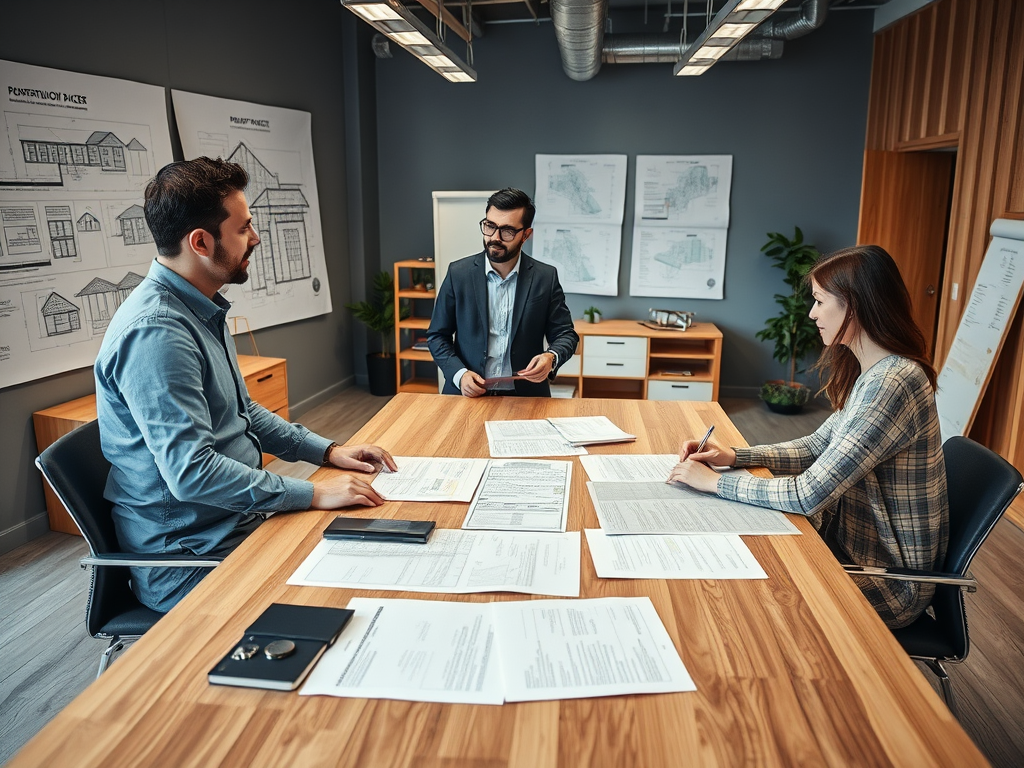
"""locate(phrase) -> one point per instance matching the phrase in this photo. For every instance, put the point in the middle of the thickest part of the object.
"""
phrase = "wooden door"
(904, 207)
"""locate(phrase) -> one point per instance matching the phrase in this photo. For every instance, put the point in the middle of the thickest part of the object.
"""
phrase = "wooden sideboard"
(266, 378)
(626, 359)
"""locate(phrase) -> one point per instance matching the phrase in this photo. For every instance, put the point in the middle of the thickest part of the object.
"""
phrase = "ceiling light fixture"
(396, 22)
(737, 19)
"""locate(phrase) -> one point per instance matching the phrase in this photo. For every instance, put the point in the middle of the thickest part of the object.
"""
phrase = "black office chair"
(77, 470)
(982, 485)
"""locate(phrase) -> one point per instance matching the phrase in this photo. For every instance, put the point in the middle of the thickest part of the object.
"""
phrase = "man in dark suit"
(494, 310)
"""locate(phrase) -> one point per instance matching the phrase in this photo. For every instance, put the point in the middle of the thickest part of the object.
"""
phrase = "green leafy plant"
(794, 333)
(593, 314)
(378, 314)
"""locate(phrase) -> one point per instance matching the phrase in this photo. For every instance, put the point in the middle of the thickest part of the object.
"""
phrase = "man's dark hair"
(187, 195)
(510, 199)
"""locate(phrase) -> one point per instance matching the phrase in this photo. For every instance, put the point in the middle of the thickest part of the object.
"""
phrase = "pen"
(700, 446)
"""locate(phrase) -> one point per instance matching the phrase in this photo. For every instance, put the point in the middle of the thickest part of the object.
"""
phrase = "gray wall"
(284, 54)
(795, 128)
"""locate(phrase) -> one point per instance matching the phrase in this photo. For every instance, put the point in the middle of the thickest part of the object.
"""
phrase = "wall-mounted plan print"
(287, 270)
(76, 153)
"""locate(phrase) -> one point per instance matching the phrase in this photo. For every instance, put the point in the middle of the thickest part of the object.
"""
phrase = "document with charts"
(527, 437)
(573, 649)
(451, 562)
(522, 495)
(663, 508)
(680, 226)
(412, 650)
(421, 478)
(672, 557)
(590, 430)
(586, 255)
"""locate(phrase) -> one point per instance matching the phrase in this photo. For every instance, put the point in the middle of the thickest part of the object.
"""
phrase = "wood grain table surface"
(793, 670)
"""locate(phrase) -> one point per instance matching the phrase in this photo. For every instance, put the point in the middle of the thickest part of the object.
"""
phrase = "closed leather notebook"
(280, 648)
(376, 529)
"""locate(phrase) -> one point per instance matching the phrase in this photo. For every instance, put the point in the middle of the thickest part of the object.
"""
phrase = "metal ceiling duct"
(665, 49)
(579, 27)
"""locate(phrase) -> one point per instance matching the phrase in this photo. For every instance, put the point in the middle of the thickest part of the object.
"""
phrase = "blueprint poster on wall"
(580, 202)
(76, 153)
(680, 226)
(287, 270)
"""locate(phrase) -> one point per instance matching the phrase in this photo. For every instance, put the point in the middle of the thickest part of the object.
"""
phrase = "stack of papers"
(590, 430)
(430, 479)
(451, 562)
(489, 653)
(527, 437)
(563, 391)
(522, 495)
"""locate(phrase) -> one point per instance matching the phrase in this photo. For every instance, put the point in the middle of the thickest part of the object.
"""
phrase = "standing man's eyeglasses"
(488, 228)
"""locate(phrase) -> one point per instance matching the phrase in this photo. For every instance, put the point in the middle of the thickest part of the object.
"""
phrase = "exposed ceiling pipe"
(579, 26)
(665, 49)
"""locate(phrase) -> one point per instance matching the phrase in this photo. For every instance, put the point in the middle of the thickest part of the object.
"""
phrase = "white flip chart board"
(994, 300)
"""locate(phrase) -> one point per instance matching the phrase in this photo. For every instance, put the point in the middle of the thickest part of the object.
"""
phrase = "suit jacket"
(458, 328)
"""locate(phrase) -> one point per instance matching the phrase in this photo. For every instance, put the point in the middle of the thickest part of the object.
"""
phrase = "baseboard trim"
(296, 409)
(23, 533)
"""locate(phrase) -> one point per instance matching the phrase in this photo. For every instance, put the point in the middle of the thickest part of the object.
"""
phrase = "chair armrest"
(149, 560)
(908, 574)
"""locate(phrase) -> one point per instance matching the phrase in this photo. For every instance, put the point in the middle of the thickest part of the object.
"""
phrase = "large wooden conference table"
(793, 670)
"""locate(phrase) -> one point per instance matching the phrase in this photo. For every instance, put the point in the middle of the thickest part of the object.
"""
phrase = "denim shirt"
(182, 435)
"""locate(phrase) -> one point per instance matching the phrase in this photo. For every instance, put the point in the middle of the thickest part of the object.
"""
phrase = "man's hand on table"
(346, 490)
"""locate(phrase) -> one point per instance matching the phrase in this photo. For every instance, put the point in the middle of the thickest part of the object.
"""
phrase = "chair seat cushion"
(925, 638)
(135, 621)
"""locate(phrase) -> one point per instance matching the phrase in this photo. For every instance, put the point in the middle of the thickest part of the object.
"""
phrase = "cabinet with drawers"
(625, 359)
(266, 378)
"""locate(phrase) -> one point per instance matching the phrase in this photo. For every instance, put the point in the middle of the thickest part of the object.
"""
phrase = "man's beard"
(501, 254)
(236, 275)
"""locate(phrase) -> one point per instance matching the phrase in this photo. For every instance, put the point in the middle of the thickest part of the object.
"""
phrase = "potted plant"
(592, 314)
(378, 315)
(794, 333)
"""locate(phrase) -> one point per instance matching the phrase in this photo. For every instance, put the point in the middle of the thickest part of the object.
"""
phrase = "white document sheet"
(629, 468)
(588, 430)
(663, 508)
(451, 562)
(561, 649)
(672, 557)
(637, 468)
(527, 437)
(430, 479)
(522, 495)
(412, 650)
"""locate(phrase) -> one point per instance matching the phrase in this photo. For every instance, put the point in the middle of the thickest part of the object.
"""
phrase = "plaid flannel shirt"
(871, 479)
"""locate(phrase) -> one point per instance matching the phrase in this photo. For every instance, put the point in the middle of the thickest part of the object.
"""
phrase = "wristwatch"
(327, 454)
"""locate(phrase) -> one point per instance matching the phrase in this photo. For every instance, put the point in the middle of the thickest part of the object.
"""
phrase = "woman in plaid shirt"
(871, 478)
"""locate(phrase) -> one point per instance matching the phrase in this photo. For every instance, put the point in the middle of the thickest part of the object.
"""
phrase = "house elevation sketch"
(76, 152)
(288, 271)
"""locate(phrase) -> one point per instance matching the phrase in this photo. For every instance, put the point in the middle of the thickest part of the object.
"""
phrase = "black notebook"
(280, 648)
(377, 529)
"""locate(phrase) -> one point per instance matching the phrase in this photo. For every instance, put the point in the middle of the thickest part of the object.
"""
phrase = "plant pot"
(381, 372)
(783, 397)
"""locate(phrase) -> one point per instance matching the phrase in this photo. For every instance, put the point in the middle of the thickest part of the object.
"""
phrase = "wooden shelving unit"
(411, 365)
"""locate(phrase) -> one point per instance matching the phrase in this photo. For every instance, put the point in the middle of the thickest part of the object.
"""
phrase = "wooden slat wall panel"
(954, 74)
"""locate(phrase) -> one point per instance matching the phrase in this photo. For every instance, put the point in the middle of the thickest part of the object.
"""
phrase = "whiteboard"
(994, 300)
(456, 233)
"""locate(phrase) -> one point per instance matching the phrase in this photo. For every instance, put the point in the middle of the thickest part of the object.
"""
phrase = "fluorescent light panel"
(396, 22)
(737, 19)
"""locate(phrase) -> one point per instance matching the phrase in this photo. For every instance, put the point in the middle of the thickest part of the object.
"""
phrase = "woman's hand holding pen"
(693, 468)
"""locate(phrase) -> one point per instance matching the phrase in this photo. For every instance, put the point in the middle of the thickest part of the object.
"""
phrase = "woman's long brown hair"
(868, 282)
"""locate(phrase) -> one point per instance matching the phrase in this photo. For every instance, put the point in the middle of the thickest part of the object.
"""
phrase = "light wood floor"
(48, 658)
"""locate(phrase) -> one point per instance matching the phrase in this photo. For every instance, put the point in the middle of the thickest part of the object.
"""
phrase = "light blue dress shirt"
(182, 435)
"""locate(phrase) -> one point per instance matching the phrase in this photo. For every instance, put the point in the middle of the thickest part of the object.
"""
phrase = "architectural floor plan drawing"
(680, 226)
(586, 256)
(287, 272)
(676, 262)
(76, 152)
(580, 206)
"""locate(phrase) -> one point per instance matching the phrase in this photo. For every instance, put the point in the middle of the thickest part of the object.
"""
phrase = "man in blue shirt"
(494, 310)
(182, 435)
